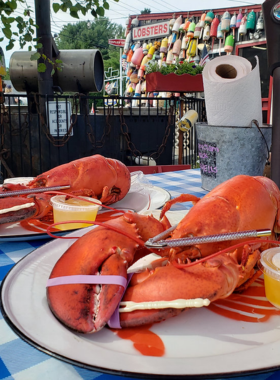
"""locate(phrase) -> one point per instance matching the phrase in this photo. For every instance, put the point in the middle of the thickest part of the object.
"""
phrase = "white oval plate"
(198, 342)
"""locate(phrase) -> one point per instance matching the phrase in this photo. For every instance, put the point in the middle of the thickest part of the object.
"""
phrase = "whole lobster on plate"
(241, 203)
(96, 176)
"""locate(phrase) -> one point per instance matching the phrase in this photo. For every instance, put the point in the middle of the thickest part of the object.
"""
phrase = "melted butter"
(16, 208)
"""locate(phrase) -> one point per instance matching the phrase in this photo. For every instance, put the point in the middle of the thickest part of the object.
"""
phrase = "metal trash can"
(225, 152)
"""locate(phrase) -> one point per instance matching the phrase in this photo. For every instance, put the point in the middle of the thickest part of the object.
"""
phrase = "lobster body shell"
(239, 204)
(96, 176)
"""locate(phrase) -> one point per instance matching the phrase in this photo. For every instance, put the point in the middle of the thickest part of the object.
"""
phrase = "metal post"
(42, 12)
(121, 74)
(275, 150)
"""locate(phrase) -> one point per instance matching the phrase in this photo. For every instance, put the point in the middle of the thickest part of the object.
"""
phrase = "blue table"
(19, 360)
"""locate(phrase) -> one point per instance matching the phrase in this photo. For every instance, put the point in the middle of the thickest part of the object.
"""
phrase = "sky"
(119, 12)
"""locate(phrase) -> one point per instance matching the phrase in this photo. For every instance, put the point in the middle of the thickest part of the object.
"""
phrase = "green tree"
(26, 23)
(93, 35)
(146, 11)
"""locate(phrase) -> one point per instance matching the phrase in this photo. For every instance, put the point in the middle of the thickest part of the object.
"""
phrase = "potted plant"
(176, 77)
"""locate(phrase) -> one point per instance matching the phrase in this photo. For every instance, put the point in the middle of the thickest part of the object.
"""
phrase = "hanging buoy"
(184, 44)
(169, 42)
(220, 36)
(229, 44)
(140, 74)
(177, 25)
(177, 47)
(136, 46)
(163, 46)
(196, 59)
(144, 62)
(188, 120)
(225, 23)
(134, 77)
(151, 52)
(135, 21)
(191, 52)
(137, 57)
(145, 50)
(129, 55)
(172, 21)
(182, 55)
(202, 19)
(169, 58)
(197, 31)
(127, 43)
(128, 21)
(251, 21)
(209, 17)
(191, 30)
(187, 23)
(181, 29)
(243, 28)
(239, 18)
(260, 22)
(232, 25)
(206, 33)
(214, 29)
(259, 27)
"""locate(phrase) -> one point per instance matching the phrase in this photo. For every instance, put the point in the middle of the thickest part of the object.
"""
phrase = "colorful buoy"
(214, 29)
(251, 21)
(229, 44)
(239, 18)
(209, 17)
(232, 25)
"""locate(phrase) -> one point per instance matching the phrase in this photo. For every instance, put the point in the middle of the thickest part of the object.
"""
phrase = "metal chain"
(131, 145)
(99, 144)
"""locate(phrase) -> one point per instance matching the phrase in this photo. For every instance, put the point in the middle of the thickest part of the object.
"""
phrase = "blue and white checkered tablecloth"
(19, 360)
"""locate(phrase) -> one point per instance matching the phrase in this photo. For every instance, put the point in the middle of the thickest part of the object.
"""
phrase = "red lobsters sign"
(150, 31)
(117, 42)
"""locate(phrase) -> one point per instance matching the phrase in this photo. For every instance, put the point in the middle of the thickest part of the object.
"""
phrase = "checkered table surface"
(19, 360)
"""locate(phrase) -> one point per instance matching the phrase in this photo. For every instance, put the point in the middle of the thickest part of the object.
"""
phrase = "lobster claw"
(88, 307)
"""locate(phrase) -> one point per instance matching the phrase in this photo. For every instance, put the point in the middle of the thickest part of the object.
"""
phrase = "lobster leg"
(182, 198)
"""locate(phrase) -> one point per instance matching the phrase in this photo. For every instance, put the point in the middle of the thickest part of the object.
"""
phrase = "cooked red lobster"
(241, 203)
(96, 176)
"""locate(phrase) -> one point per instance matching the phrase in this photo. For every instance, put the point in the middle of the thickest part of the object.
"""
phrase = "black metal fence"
(41, 132)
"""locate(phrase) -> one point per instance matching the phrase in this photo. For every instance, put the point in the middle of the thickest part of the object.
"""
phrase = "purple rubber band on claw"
(88, 279)
(114, 321)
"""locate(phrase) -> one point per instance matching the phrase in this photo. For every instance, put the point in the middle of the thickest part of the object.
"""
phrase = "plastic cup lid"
(58, 202)
(270, 261)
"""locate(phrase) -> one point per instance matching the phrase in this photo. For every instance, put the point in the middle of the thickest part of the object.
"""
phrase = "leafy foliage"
(146, 11)
(178, 68)
(95, 36)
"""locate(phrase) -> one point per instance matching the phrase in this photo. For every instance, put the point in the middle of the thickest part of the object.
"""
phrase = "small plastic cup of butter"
(270, 266)
(65, 210)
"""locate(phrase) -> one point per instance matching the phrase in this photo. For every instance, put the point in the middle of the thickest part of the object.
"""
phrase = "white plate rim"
(157, 361)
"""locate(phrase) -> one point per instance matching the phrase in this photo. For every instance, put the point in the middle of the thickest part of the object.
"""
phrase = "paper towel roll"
(232, 91)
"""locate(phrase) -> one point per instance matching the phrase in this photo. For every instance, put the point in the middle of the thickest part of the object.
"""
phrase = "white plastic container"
(74, 209)
(270, 261)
